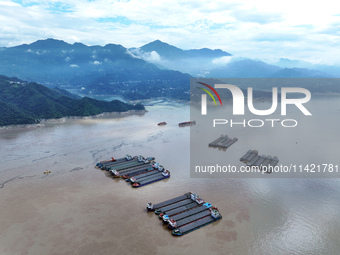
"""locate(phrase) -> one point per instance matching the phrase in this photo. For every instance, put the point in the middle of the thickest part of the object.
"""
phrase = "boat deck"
(153, 178)
(104, 163)
(246, 155)
(223, 142)
(266, 161)
(115, 163)
(126, 166)
(175, 205)
(260, 160)
(145, 175)
(274, 162)
(189, 213)
(135, 169)
(251, 158)
(192, 218)
(187, 123)
(181, 209)
(138, 172)
(217, 140)
(171, 201)
(196, 224)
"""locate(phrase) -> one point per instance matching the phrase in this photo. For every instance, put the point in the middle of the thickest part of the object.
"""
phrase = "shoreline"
(103, 115)
(156, 99)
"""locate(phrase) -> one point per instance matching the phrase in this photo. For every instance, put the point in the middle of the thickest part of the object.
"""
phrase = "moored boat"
(113, 161)
(186, 123)
(214, 216)
(153, 207)
(154, 178)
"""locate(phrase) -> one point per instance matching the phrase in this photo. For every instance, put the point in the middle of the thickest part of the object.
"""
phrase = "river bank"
(42, 122)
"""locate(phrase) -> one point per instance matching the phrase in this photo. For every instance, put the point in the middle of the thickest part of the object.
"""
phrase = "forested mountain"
(25, 103)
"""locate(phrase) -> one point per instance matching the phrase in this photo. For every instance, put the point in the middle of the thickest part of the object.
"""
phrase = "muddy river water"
(77, 209)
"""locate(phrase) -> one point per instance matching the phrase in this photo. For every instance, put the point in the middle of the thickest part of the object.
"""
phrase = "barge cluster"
(185, 213)
(138, 171)
(252, 159)
(223, 142)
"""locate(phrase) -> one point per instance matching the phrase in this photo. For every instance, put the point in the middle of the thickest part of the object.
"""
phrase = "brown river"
(77, 209)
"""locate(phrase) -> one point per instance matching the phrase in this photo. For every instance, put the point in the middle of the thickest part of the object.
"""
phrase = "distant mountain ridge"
(156, 69)
(108, 69)
(257, 69)
(245, 69)
(170, 57)
(25, 103)
(209, 63)
(172, 52)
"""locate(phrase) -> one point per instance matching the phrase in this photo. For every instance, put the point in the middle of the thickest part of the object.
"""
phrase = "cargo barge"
(141, 171)
(113, 161)
(151, 179)
(272, 163)
(131, 171)
(134, 173)
(110, 166)
(186, 123)
(184, 229)
(154, 207)
(133, 163)
(127, 165)
(173, 206)
(142, 176)
(249, 156)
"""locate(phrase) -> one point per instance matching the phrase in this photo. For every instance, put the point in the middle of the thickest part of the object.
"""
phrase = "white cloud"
(96, 62)
(74, 65)
(222, 60)
(152, 57)
(9, 3)
(134, 53)
(256, 29)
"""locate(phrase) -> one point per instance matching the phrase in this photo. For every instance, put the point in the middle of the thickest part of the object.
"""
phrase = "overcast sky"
(266, 30)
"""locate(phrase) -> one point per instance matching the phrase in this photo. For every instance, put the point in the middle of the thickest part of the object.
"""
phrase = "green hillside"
(26, 103)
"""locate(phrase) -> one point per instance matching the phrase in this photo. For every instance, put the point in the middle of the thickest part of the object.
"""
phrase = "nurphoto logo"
(238, 106)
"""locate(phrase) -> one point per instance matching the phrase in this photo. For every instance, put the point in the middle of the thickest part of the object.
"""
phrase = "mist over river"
(78, 209)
